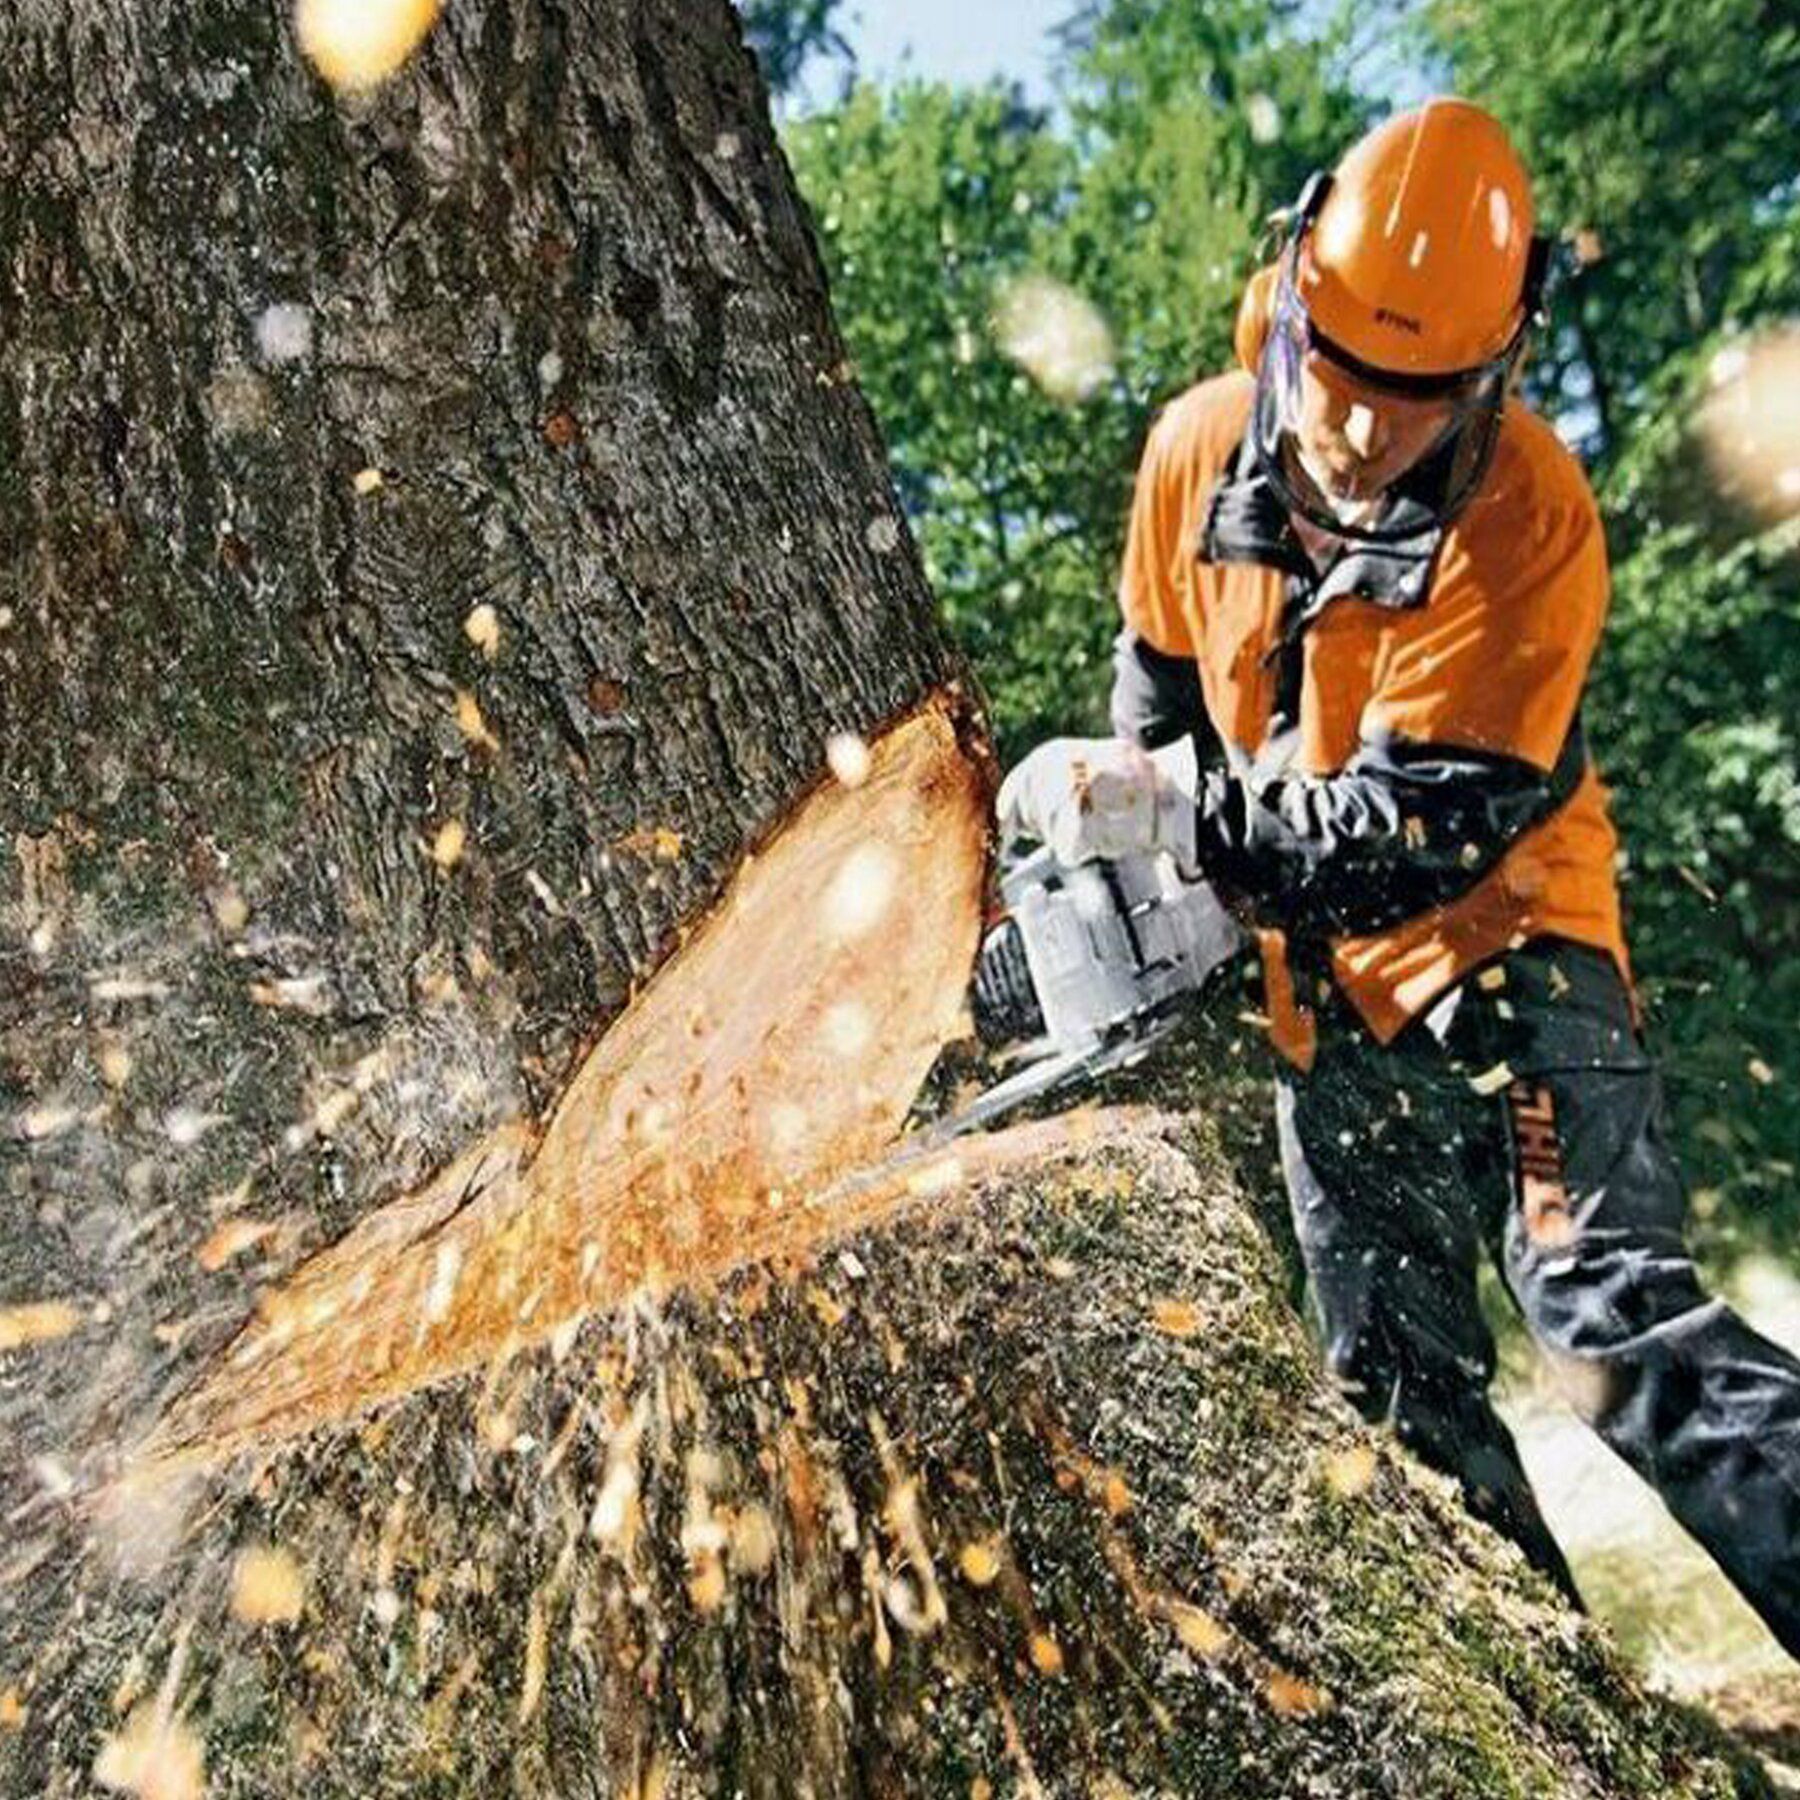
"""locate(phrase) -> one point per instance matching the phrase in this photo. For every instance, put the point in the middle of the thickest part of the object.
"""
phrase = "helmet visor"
(1341, 440)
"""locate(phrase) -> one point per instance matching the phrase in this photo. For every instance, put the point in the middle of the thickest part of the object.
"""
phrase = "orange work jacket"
(1491, 654)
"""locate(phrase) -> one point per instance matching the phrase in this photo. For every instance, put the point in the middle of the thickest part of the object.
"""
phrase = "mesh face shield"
(1340, 440)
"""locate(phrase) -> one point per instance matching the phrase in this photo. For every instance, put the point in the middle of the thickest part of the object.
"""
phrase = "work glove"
(1089, 798)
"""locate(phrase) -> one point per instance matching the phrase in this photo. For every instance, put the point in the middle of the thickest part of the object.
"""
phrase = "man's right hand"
(1089, 798)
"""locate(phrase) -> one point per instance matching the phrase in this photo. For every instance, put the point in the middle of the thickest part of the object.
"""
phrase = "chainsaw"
(1085, 970)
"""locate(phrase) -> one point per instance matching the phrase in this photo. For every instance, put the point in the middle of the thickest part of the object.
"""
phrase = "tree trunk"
(442, 539)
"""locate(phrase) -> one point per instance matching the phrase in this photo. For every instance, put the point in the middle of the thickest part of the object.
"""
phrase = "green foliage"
(1149, 198)
(1694, 712)
(927, 202)
(1272, 100)
(1661, 132)
(1667, 130)
(1662, 127)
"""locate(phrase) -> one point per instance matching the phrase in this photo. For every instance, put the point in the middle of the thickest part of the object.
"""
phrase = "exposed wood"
(778, 1050)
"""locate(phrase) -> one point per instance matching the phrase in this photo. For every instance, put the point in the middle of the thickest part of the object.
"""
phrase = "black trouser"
(1523, 1113)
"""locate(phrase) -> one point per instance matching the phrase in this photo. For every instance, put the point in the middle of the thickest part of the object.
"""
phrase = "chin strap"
(1535, 298)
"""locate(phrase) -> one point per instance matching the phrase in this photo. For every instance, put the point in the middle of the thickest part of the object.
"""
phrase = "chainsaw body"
(1088, 967)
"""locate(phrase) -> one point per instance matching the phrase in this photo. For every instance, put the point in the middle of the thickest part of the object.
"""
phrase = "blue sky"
(955, 40)
(967, 41)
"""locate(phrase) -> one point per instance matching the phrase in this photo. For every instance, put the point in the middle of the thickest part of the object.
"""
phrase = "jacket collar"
(1246, 522)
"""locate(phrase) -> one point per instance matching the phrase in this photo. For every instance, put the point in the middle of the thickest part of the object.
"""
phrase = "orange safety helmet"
(1402, 304)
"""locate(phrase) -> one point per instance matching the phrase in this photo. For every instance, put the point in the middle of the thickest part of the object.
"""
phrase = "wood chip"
(979, 1565)
(231, 911)
(40, 1123)
(471, 723)
(1293, 1698)
(1494, 1080)
(537, 1659)
(848, 758)
(482, 629)
(38, 1322)
(155, 1757)
(231, 1240)
(663, 843)
(1176, 1318)
(356, 44)
(831, 1314)
(706, 1586)
(448, 846)
(1197, 1629)
(1350, 1472)
(127, 987)
(267, 1587)
(294, 993)
(753, 1541)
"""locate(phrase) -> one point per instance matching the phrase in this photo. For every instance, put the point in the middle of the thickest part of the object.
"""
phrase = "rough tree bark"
(441, 538)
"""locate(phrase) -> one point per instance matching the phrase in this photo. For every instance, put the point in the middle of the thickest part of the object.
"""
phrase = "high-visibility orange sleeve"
(1498, 658)
(1154, 575)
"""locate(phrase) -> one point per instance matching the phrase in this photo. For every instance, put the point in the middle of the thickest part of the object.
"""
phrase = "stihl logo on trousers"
(1543, 1193)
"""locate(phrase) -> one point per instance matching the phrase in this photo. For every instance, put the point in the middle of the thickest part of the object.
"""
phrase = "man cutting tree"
(1362, 588)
